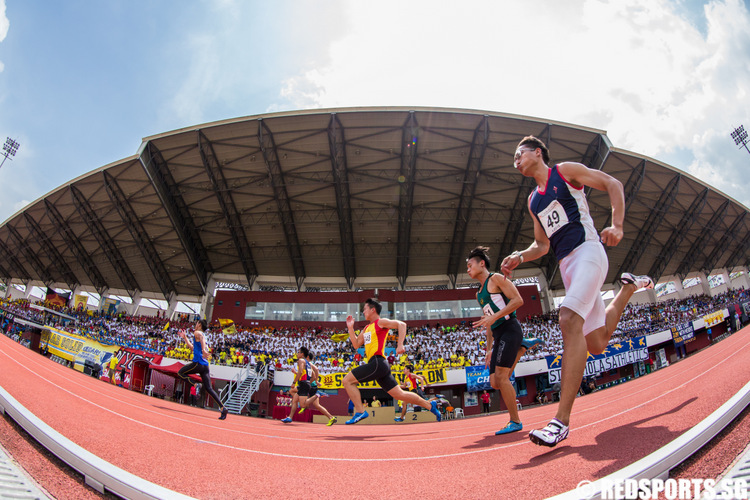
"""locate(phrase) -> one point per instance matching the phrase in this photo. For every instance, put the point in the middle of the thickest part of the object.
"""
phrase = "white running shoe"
(639, 281)
(555, 432)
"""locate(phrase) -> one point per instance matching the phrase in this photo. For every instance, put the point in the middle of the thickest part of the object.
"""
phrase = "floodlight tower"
(740, 137)
(10, 147)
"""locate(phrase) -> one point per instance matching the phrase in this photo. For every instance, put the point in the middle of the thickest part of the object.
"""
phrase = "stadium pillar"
(546, 298)
(27, 292)
(171, 307)
(678, 287)
(705, 285)
(650, 293)
(7, 289)
(133, 308)
(740, 281)
(207, 302)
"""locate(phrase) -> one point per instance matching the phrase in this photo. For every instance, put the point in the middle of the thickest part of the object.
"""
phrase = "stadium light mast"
(10, 147)
(740, 137)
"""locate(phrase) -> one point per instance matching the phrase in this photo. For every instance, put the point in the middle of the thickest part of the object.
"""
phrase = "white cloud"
(4, 26)
(20, 204)
(721, 103)
(199, 85)
(4, 23)
(233, 56)
(640, 70)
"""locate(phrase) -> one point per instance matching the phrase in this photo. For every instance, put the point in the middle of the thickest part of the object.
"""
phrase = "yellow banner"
(225, 322)
(433, 376)
(75, 348)
(63, 344)
(230, 330)
(334, 380)
(80, 301)
(713, 318)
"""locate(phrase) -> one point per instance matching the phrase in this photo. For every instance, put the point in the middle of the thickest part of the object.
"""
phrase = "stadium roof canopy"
(347, 198)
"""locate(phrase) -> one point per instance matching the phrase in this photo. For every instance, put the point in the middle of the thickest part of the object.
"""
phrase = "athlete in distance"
(313, 397)
(411, 383)
(200, 363)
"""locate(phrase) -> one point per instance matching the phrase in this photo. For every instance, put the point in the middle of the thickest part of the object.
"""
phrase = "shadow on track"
(638, 439)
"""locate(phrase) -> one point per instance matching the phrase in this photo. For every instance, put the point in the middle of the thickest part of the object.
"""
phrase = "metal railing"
(237, 393)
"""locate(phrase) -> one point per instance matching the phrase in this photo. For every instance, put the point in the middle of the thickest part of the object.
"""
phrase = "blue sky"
(81, 82)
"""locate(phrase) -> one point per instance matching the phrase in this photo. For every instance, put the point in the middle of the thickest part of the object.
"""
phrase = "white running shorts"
(583, 273)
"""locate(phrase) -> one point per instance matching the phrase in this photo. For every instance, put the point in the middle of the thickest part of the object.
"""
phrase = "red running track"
(189, 450)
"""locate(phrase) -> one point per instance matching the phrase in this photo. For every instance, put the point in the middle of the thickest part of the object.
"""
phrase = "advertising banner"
(713, 318)
(661, 358)
(63, 344)
(334, 380)
(93, 353)
(477, 378)
(471, 399)
(614, 356)
(126, 358)
(683, 334)
(79, 350)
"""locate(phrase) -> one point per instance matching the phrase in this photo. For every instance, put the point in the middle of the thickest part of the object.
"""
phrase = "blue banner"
(683, 334)
(477, 378)
(614, 356)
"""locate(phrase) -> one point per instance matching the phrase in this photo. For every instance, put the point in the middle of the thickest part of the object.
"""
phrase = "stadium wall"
(229, 304)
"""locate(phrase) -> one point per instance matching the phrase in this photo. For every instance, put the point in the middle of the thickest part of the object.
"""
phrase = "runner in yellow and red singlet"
(411, 384)
(373, 337)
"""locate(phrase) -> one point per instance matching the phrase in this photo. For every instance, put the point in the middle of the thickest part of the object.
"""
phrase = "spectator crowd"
(427, 346)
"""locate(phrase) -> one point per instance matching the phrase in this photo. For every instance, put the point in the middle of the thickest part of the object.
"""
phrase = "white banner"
(616, 356)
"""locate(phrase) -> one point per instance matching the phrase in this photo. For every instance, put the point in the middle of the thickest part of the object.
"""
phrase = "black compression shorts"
(376, 369)
(313, 390)
(507, 341)
(419, 392)
(303, 388)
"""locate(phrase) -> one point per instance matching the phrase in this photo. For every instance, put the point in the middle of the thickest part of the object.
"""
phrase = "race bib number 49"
(553, 218)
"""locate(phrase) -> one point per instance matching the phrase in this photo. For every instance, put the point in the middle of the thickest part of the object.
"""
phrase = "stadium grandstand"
(347, 200)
